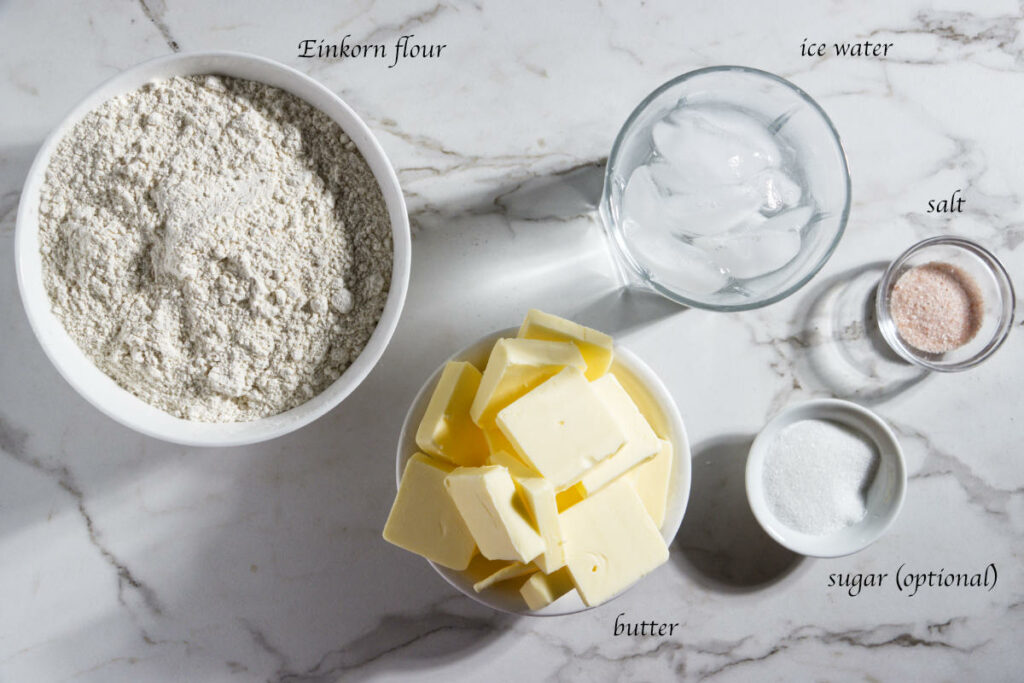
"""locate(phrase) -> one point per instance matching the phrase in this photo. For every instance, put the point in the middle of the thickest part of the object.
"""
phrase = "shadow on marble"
(720, 543)
(524, 236)
(843, 351)
(626, 310)
(564, 194)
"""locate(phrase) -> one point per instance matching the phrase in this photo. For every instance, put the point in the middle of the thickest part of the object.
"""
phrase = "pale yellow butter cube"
(516, 467)
(539, 495)
(566, 498)
(561, 428)
(446, 430)
(540, 590)
(595, 346)
(610, 542)
(507, 572)
(496, 441)
(423, 518)
(652, 482)
(486, 498)
(641, 441)
(480, 568)
(516, 366)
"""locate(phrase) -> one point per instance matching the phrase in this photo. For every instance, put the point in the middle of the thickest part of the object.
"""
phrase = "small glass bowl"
(796, 121)
(997, 297)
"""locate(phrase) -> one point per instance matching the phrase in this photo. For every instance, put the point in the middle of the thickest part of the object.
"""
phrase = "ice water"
(717, 202)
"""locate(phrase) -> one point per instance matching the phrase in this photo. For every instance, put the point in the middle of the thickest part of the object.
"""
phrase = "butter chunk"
(595, 346)
(486, 498)
(508, 571)
(446, 430)
(423, 518)
(652, 482)
(540, 590)
(610, 542)
(539, 496)
(516, 366)
(480, 568)
(566, 498)
(496, 441)
(641, 441)
(561, 428)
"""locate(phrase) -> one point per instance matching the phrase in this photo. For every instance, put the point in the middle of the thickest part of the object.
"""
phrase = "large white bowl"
(654, 401)
(101, 390)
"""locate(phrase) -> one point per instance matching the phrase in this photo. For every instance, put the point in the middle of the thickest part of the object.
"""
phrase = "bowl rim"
(616, 150)
(825, 409)
(99, 389)
(682, 467)
(887, 325)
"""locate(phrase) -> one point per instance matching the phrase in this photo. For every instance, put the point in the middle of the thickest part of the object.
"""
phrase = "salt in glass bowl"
(656, 404)
(102, 391)
(995, 289)
(792, 117)
(885, 493)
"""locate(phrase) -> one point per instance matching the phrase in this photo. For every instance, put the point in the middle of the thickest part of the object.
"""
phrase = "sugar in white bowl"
(817, 474)
(826, 478)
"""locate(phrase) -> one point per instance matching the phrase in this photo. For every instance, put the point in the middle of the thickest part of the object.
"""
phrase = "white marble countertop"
(127, 559)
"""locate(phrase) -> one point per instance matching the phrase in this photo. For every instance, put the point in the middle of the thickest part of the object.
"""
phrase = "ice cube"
(673, 262)
(642, 200)
(791, 220)
(776, 190)
(650, 229)
(714, 145)
(650, 199)
(713, 211)
(758, 250)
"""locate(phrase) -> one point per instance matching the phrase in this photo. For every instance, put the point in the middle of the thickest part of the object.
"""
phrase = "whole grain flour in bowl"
(215, 245)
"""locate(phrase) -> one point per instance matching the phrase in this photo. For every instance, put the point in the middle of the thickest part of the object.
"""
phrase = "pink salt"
(937, 307)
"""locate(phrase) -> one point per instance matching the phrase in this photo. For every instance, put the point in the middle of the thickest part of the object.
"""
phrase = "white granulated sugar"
(817, 474)
(215, 245)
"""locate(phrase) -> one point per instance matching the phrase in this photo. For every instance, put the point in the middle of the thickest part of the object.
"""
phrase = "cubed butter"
(610, 542)
(652, 482)
(486, 498)
(641, 441)
(480, 568)
(561, 428)
(566, 498)
(508, 571)
(446, 430)
(516, 366)
(540, 590)
(423, 518)
(496, 441)
(595, 346)
(539, 496)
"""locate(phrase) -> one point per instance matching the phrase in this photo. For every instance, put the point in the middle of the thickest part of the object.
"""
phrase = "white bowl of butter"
(657, 407)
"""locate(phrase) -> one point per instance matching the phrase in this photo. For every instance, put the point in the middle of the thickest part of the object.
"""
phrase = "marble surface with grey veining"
(127, 559)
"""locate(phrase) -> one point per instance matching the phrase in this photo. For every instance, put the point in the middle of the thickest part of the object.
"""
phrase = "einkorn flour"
(215, 245)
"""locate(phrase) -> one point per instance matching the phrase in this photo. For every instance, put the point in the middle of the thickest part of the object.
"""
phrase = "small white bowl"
(658, 406)
(885, 493)
(99, 389)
